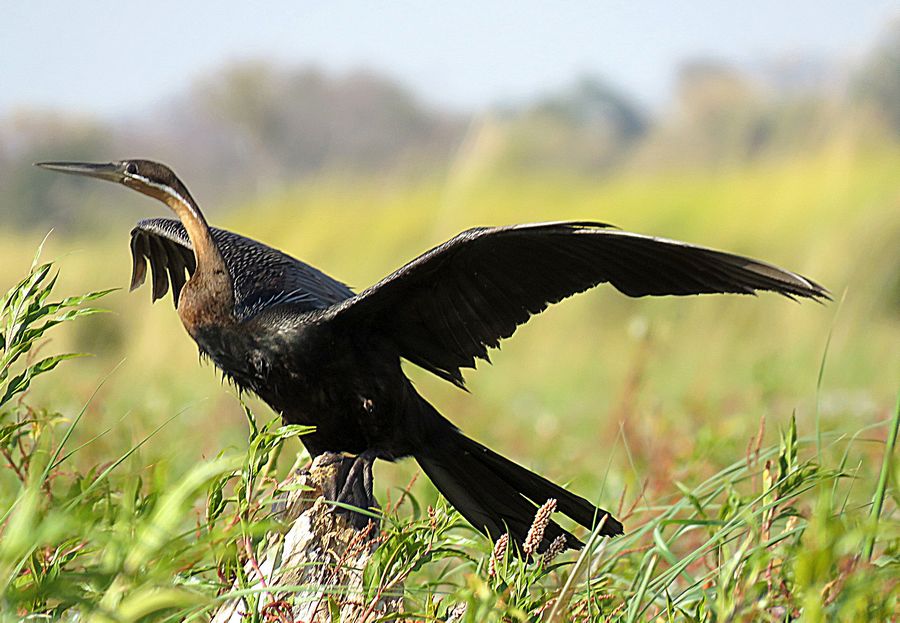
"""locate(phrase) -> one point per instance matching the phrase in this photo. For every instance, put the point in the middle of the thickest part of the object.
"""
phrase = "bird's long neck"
(208, 298)
(205, 249)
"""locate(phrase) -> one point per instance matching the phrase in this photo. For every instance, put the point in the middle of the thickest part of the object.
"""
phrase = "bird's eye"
(131, 168)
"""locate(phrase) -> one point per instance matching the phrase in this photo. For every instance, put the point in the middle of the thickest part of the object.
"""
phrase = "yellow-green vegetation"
(745, 440)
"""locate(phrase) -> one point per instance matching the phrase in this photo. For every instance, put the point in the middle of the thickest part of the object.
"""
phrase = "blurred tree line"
(253, 127)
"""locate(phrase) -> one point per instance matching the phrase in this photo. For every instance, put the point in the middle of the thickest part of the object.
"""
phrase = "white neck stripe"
(166, 189)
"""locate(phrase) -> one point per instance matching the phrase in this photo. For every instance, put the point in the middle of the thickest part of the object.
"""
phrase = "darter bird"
(321, 355)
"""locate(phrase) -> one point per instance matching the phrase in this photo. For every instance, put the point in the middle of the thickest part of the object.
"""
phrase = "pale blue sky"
(102, 57)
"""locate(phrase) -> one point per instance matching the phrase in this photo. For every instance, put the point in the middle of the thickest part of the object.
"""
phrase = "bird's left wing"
(262, 276)
(165, 245)
(451, 304)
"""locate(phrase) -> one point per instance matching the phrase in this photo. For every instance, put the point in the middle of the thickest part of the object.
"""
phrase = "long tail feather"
(495, 494)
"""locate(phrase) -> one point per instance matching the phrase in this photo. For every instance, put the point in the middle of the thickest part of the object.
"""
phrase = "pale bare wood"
(318, 549)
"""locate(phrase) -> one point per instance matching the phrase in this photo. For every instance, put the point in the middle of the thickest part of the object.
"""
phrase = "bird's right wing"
(262, 276)
(451, 304)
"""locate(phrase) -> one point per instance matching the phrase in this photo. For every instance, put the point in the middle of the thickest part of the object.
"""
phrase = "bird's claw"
(349, 483)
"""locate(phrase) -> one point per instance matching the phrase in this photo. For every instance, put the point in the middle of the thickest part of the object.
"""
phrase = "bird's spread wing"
(451, 304)
(262, 276)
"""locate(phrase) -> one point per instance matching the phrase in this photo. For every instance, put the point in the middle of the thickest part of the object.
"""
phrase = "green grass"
(756, 476)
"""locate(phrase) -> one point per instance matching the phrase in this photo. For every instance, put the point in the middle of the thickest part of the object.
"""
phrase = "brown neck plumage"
(208, 297)
(205, 250)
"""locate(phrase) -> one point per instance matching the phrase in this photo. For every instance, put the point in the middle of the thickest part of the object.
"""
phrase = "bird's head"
(145, 176)
(216, 291)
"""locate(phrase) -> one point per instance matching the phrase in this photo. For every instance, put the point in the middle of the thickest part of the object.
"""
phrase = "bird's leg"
(356, 488)
(324, 473)
(336, 468)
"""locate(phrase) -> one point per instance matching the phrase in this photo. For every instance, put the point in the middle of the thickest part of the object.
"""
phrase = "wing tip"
(787, 283)
(138, 269)
(804, 287)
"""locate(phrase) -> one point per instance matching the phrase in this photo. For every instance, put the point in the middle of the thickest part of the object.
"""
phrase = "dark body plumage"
(321, 355)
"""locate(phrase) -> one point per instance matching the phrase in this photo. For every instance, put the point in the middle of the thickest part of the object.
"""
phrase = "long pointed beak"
(104, 171)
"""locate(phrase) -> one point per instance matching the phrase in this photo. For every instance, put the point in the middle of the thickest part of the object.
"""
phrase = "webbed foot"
(348, 482)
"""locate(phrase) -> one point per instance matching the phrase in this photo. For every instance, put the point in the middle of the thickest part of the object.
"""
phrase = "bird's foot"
(349, 485)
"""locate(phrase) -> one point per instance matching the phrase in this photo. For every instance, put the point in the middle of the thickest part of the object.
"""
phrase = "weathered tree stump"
(322, 549)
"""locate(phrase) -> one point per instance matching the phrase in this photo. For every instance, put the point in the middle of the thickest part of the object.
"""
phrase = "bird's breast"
(206, 304)
(350, 389)
(268, 363)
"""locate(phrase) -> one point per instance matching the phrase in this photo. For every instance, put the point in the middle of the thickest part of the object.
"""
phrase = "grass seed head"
(538, 526)
(557, 547)
(497, 555)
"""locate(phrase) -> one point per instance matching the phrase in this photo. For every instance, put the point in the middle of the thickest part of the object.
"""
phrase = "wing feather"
(140, 251)
(159, 263)
(446, 308)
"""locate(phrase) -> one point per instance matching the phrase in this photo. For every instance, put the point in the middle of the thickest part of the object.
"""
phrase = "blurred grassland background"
(355, 175)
